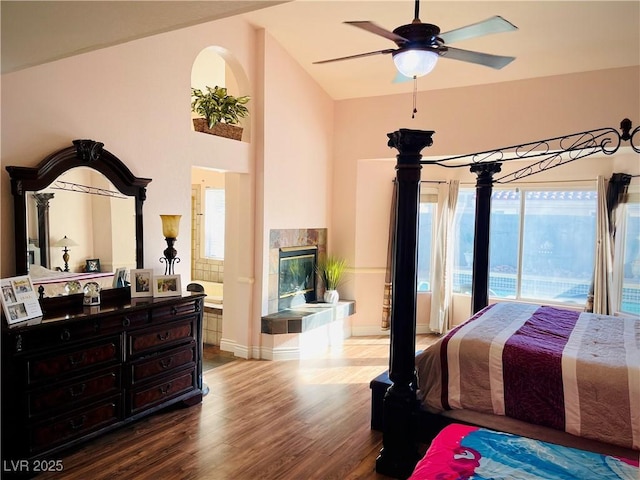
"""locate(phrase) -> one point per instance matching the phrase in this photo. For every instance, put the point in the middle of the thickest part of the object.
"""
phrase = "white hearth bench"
(306, 329)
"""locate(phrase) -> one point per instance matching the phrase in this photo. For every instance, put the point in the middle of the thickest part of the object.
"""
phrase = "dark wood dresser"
(83, 371)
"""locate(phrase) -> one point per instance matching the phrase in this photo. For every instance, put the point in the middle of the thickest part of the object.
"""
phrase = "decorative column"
(399, 452)
(42, 204)
(480, 273)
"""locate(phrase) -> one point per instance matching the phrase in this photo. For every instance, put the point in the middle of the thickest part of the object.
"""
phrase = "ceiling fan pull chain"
(415, 92)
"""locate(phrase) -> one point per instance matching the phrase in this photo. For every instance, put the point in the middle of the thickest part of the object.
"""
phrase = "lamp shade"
(170, 225)
(65, 242)
(415, 63)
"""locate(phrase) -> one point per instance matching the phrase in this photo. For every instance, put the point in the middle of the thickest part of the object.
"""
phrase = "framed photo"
(167, 286)
(19, 299)
(120, 277)
(92, 265)
(141, 282)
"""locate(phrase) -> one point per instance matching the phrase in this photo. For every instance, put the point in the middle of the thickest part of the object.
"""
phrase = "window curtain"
(442, 280)
(386, 299)
(601, 295)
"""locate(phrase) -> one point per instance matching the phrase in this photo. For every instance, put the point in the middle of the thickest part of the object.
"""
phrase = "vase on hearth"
(331, 296)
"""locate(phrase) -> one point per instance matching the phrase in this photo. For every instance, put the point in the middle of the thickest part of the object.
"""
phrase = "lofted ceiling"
(554, 38)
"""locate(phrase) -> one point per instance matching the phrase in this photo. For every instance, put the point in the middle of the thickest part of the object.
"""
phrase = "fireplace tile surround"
(294, 237)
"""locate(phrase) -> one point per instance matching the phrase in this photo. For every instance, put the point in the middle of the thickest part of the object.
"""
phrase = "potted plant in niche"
(331, 271)
(220, 112)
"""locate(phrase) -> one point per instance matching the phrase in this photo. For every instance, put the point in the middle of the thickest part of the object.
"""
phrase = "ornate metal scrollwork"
(551, 152)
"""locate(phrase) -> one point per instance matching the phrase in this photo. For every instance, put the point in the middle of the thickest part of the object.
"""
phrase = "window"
(428, 202)
(629, 231)
(214, 223)
(542, 244)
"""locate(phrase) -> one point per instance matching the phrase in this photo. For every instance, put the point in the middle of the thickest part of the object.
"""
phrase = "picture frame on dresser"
(19, 299)
(167, 286)
(92, 265)
(120, 277)
(141, 282)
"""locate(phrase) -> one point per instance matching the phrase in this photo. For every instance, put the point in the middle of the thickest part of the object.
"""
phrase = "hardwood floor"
(299, 420)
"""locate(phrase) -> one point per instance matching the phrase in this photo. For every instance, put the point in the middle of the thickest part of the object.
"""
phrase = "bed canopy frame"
(399, 452)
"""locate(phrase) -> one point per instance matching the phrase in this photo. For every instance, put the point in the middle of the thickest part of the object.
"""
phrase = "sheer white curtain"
(442, 278)
(602, 280)
(385, 324)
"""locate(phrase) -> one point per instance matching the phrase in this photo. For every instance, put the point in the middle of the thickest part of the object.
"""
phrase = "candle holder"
(170, 228)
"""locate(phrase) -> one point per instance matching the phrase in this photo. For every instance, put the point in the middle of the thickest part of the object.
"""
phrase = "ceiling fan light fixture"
(414, 62)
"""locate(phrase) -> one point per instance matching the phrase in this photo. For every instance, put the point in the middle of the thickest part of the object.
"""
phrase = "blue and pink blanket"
(462, 452)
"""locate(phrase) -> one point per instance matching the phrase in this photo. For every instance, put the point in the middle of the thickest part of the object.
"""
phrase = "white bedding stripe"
(632, 349)
(569, 375)
(496, 379)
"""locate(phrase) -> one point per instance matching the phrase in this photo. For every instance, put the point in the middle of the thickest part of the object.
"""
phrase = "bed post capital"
(409, 142)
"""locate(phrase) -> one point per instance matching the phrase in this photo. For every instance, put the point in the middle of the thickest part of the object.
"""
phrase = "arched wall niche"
(217, 66)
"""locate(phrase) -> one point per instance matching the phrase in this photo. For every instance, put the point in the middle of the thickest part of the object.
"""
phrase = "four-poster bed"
(404, 421)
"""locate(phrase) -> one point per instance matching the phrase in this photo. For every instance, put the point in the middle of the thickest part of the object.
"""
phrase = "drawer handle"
(174, 311)
(77, 424)
(77, 390)
(166, 363)
(78, 359)
(126, 322)
(65, 335)
(165, 389)
(164, 337)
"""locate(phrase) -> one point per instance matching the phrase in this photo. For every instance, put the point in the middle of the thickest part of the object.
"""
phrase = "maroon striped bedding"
(568, 370)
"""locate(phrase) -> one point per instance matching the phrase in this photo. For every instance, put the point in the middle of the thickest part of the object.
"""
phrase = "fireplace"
(296, 275)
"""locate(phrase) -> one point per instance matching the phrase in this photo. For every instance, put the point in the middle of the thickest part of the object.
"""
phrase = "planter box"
(220, 129)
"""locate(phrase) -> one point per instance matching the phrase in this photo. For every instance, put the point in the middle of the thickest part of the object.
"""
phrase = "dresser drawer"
(161, 392)
(132, 319)
(49, 434)
(60, 397)
(54, 336)
(174, 311)
(169, 334)
(74, 360)
(164, 363)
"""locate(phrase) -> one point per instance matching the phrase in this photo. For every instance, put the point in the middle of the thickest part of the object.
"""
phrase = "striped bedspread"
(572, 371)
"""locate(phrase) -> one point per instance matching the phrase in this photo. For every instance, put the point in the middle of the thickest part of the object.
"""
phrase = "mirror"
(84, 206)
(86, 190)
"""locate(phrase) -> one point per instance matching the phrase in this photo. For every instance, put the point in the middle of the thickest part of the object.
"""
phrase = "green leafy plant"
(331, 271)
(217, 106)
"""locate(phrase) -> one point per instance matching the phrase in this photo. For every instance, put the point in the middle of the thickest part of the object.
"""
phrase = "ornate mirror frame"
(83, 153)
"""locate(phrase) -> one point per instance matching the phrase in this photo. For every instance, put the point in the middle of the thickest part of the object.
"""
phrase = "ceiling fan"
(421, 44)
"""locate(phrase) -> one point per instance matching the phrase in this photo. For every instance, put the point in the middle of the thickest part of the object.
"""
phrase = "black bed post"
(399, 452)
(480, 272)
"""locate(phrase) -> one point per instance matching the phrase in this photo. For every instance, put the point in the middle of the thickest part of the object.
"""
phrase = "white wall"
(311, 162)
(135, 98)
(295, 173)
(465, 120)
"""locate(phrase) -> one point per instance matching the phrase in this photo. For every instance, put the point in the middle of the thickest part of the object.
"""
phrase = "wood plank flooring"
(298, 420)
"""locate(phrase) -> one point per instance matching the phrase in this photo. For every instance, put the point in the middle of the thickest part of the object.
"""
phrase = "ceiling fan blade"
(495, 24)
(378, 30)
(359, 55)
(486, 59)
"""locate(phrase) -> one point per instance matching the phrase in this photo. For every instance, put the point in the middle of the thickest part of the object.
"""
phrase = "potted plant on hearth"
(331, 271)
(220, 112)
